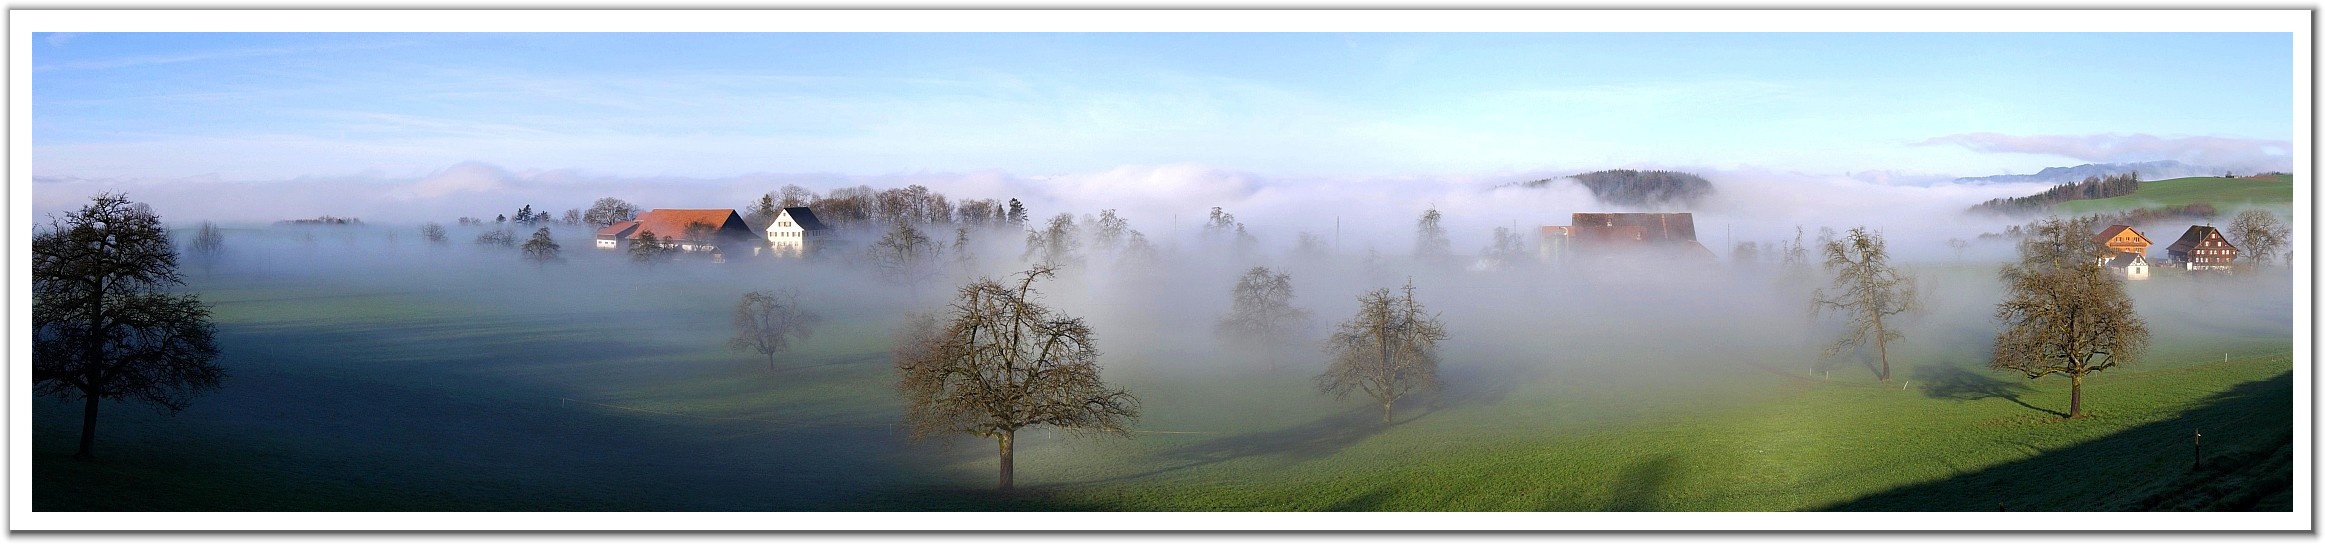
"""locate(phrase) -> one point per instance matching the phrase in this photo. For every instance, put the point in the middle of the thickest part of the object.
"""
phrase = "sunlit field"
(371, 371)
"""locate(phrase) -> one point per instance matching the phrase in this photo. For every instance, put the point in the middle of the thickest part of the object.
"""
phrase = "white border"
(24, 23)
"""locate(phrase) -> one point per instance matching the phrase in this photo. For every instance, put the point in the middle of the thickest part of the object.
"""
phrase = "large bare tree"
(1868, 291)
(609, 210)
(1262, 316)
(2064, 313)
(104, 324)
(1002, 361)
(1387, 351)
(769, 322)
(2259, 234)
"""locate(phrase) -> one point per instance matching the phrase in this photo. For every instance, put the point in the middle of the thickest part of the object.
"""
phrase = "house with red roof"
(688, 229)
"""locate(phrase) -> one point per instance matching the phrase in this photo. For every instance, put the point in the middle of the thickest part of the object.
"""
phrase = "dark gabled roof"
(2125, 259)
(805, 219)
(2195, 236)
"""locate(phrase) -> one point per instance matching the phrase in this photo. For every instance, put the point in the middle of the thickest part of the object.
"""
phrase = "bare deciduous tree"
(1262, 315)
(208, 244)
(1055, 246)
(1002, 361)
(650, 249)
(497, 237)
(1868, 291)
(433, 232)
(769, 322)
(1387, 351)
(541, 249)
(2064, 313)
(1110, 229)
(104, 325)
(1429, 242)
(2259, 234)
(609, 210)
(907, 257)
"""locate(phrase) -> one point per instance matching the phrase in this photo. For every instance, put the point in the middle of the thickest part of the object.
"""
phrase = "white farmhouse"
(793, 231)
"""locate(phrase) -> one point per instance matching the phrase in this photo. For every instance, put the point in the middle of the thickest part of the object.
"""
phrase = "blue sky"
(280, 106)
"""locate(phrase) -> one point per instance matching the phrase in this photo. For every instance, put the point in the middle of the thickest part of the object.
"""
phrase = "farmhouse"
(690, 230)
(1600, 235)
(616, 236)
(2128, 251)
(2122, 239)
(793, 231)
(2202, 248)
(2132, 266)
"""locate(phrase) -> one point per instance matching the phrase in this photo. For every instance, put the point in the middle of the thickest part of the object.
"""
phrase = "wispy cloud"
(2203, 150)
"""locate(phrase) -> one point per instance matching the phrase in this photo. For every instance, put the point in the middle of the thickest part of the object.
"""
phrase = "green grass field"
(2223, 193)
(440, 385)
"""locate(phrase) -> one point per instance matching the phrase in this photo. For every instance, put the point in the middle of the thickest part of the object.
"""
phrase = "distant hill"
(2091, 188)
(2166, 169)
(1640, 188)
(2221, 193)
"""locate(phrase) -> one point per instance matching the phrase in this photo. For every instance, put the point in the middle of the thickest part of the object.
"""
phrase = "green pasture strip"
(2222, 193)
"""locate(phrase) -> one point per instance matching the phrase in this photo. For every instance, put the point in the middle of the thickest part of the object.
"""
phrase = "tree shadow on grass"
(2145, 467)
(1957, 383)
(1312, 440)
(1641, 487)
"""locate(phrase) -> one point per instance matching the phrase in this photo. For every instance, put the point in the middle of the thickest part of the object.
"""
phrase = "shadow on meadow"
(1962, 384)
(2246, 451)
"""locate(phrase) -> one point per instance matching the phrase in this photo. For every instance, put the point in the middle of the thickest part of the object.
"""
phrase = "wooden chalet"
(2122, 239)
(2203, 248)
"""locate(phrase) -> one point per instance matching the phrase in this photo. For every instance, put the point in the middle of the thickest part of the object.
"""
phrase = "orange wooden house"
(2123, 239)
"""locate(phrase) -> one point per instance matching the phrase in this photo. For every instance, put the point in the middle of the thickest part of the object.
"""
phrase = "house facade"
(794, 232)
(2122, 239)
(2131, 266)
(2203, 248)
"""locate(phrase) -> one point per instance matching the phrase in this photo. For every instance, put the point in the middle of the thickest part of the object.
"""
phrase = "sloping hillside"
(2221, 193)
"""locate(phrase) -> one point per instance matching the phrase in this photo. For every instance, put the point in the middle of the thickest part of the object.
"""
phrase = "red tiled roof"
(670, 224)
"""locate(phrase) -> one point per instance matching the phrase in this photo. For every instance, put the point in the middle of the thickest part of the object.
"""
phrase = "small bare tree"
(1429, 241)
(1388, 350)
(1868, 291)
(208, 244)
(2064, 313)
(1263, 315)
(907, 257)
(541, 249)
(496, 237)
(433, 232)
(1000, 362)
(769, 322)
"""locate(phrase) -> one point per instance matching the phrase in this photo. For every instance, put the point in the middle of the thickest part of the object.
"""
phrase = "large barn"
(689, 230)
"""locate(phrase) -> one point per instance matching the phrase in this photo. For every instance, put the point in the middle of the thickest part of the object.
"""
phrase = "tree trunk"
(770, 361)
(1385, 415)
(88, 428)
(1008, 464)
(1881, 344)
(2075, 397)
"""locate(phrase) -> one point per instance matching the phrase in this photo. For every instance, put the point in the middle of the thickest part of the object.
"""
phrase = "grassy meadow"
(380, 374)
(2224, 193)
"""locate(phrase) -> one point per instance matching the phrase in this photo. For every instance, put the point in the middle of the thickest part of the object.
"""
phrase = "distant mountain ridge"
(2148, 171)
